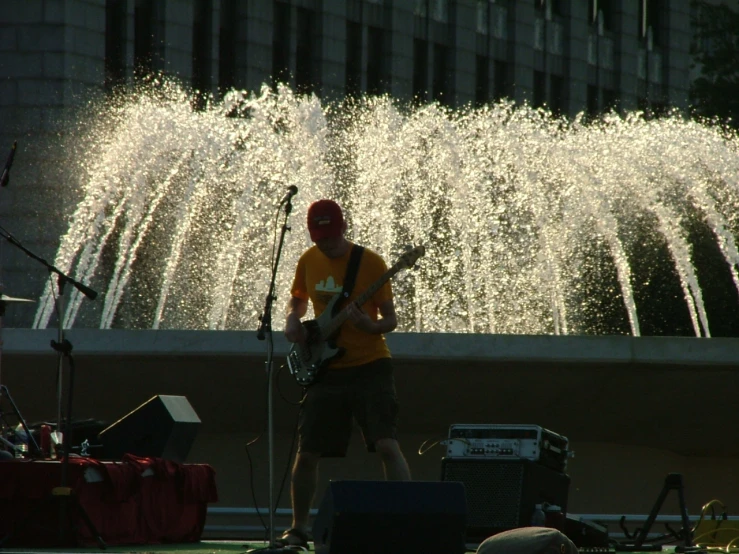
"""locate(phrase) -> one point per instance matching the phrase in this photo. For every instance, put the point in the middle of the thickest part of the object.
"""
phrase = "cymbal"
(6, 298)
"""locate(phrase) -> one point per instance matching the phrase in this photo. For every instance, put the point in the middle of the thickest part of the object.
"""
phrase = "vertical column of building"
(176, 23)
(463, 31)
(576, 52)
(400, 28)
(556, 13)
(520, 40)
(376, 47)
(119, 43)
(205, 46)
(354, 49)
(599, 58)
(440, 58)
(677, 53)
(51, 60)
(500, 50)
(307, 51)
(483, 53)
(333, 50)
(266, 38)
(232, 45)
(627, 28)
(420, 78)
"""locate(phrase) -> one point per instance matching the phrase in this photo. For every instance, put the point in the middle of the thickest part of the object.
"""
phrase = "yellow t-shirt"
(319, 278)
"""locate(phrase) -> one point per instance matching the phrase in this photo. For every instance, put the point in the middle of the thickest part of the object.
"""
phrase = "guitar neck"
(341, 317)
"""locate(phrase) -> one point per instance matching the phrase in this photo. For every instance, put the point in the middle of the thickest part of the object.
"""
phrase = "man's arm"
(296, 309)
(386, 323)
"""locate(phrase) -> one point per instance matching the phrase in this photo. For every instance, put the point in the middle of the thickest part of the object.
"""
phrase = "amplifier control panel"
(516, 441)
(510, 448)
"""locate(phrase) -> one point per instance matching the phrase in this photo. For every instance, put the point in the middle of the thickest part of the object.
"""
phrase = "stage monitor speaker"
(162, 427)
(392, 517)
(503, 494)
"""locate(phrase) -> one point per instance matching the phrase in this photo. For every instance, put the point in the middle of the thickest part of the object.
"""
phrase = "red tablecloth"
(135, 501)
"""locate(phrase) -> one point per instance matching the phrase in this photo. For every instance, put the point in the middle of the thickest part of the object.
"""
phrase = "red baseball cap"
(325, 220)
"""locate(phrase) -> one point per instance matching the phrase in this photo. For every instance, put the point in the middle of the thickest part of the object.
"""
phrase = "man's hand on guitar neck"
(364, 322)
(361, 319)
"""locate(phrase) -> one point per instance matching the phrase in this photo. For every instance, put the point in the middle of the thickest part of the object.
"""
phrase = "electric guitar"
(306, 361)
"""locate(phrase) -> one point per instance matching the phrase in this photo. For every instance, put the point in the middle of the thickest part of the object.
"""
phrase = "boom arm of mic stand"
(84, 289)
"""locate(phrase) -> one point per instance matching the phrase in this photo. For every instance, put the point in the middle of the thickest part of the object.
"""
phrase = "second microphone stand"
(265, 331)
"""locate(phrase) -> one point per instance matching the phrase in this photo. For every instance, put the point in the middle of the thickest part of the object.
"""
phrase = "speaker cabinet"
(502, 494)
(392, 517)
(163, 427)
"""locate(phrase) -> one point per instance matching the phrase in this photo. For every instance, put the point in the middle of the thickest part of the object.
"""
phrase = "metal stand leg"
(673, 481)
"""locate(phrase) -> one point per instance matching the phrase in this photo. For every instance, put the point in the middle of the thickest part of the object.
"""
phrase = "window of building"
(540, 89)
(227, 46)
(353, 72)
(376, 59)
(610, 100)
(115, 43)
(592, 105)
(556, 94)
(547, 8)
(281, 43)
(482, 80)
(655, 10)
(500, 80)
(483, 16)
(651, 20)
(143, 38)
(306, 76)
(202, 38)
(499, 15)
(420, 70)
(440, 91)
(440, 10)
(601, 12)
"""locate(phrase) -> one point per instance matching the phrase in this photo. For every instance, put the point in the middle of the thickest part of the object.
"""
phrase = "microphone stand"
(265, 331)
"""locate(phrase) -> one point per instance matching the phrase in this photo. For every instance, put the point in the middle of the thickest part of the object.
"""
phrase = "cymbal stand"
(33, 447)
(265, 331)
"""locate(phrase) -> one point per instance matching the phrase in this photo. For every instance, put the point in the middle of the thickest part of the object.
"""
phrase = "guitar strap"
(351, 275)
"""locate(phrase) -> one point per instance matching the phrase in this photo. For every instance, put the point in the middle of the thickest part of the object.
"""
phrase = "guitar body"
(307, 361)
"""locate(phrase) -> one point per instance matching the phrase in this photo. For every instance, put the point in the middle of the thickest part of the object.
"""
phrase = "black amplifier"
(504, 494)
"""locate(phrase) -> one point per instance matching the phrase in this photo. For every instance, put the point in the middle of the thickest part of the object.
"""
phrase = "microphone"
(291, 191)
(5, 178)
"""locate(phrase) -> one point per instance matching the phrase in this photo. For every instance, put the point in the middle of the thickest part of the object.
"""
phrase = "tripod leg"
(66, 493)
(91, 526)
(653, 514)
(687, 531)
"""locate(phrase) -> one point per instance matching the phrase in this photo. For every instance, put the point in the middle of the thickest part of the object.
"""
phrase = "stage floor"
(232, 547)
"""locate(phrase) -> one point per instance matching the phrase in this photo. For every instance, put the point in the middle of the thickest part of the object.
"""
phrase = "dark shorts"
(365, 394)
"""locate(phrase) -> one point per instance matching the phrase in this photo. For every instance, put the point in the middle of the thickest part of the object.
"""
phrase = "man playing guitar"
(357, 383)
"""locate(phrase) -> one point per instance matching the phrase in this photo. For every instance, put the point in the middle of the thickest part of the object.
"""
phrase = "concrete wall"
(633, 409)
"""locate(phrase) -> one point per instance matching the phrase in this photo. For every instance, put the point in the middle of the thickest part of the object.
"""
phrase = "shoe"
(293, 537)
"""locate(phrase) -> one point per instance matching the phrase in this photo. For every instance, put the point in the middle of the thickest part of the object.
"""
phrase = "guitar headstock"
(410, 257)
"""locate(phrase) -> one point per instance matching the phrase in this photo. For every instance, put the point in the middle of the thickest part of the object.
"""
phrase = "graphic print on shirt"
(326, 289)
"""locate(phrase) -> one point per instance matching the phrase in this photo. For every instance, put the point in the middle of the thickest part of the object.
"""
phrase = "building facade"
(570, 56)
